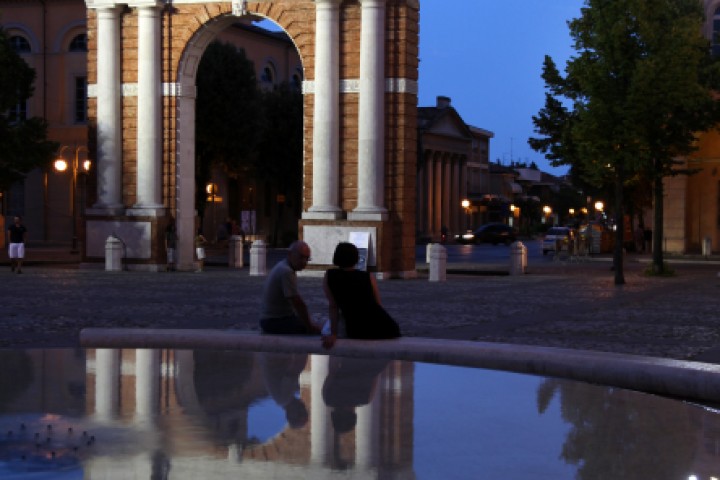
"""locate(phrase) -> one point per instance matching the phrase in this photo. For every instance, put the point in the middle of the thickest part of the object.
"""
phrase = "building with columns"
(360, 84)
(358, 66)
(51, 37)
(452, 167)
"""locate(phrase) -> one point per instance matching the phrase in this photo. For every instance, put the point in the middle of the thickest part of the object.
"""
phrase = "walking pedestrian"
(16, 244)
(200, 242)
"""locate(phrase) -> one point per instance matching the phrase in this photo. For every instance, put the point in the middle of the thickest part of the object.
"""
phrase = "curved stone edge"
(688, 380)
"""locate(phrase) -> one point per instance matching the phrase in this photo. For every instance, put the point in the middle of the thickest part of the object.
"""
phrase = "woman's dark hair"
(346, 255)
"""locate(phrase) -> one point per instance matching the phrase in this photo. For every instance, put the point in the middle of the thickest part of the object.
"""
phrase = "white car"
(556, 239)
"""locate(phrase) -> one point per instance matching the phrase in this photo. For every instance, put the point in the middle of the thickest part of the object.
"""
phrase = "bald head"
(298, 255)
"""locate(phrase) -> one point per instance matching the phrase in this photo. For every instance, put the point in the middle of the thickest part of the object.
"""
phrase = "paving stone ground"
(572, 305)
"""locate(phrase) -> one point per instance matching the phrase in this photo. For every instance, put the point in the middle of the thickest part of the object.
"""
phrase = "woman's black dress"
(364, 317)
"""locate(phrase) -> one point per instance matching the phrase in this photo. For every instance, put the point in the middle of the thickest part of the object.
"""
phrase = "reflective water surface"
(205, 414)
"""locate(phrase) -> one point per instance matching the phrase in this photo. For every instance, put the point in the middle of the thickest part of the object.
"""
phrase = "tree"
(228, 114)
(280, 147)
(23, 141)
(631, 101)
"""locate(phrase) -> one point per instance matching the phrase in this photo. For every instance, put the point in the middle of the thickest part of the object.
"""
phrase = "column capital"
(104, 4)
(373, 3)
(146, 3)
(328, 3)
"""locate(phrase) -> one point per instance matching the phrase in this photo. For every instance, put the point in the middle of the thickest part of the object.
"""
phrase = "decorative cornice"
(352, 85)
(168, 89)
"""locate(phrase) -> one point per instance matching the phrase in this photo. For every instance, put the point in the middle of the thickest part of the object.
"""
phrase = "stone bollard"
(113, 254)
(427, 252)
(438, 263)
(707, 246)
(258, 257)
(235, 252)
(518, 258)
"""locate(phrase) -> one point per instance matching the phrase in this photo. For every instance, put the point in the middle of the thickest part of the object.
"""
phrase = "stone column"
(438, 193)
(457, 197)
(147, 383)
(109, 111)
(326, 114)
(430, 189)
(319, 421)
(185, 179)
(107, 383)
(371, 120)
(367, 430)
(149, 110)
(447, 191)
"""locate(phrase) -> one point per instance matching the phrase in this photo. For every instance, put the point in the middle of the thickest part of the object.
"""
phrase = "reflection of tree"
(621, 434)
(16, 375)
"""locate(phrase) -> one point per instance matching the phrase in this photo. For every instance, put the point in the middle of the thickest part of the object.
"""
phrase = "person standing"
(16, 244)
(283, 309)
(200, 242)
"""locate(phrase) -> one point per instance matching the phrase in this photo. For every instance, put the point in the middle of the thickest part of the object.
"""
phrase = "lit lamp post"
(466, 205)
(599, 207)
(213, 198)
(514, 213)
(547, 211)
(61, 165)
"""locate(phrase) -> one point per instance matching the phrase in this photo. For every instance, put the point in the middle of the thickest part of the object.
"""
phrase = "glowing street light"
(466, 205)
(599, 206)
(61, 165)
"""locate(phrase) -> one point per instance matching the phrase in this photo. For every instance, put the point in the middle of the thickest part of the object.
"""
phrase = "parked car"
(489, 233)
(556, 239)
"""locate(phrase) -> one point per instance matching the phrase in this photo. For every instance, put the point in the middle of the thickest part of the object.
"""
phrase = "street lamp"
(466, 205)
(547, 211)
(61, 165)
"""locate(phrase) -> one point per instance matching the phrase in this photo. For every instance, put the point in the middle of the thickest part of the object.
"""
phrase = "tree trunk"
(619, 225)
(657, 235)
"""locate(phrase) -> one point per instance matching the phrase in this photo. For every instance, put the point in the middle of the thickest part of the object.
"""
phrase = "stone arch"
(360, 130)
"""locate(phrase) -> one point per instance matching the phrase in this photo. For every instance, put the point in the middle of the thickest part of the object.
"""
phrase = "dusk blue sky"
(486, 55)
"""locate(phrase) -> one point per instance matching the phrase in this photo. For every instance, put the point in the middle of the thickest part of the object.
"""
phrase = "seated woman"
(354, 294)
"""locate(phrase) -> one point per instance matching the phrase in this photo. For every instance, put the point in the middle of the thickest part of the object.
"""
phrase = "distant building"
(691, 209)
(452, 167)
(52, 38)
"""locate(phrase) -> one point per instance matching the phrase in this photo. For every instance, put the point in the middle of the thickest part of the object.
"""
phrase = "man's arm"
(302, 312)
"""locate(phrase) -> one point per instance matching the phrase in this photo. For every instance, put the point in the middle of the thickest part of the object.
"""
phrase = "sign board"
(362, 241)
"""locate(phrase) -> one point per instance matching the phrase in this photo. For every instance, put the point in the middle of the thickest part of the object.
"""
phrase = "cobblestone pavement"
(555, 304)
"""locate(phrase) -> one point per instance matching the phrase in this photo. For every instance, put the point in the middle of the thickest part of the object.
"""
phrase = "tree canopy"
(23, 141)
(632, 100)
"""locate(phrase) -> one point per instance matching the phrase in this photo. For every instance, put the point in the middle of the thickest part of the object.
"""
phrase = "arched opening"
(242, 145)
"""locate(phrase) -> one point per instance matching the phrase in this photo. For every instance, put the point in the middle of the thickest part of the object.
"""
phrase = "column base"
(146, 211)
(368, 215)
(105, 210)
(322, 215)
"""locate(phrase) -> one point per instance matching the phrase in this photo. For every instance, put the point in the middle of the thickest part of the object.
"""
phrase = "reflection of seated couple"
(281, 372)
(351, 293)
(351, 382)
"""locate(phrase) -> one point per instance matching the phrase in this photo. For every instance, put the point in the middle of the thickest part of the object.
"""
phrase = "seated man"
(283, 309)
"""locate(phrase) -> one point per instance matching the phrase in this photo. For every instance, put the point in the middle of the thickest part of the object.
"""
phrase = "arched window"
(78, 43)
(20, 44)
(268, 76)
